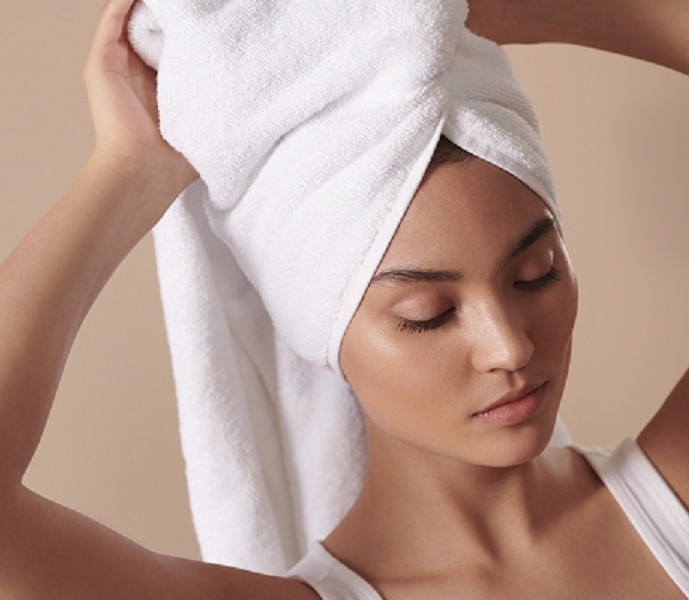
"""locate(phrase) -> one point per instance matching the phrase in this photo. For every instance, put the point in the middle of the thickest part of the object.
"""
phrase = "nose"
(501, 340)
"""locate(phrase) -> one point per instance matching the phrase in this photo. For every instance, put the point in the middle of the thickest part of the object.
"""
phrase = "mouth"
(514, 407)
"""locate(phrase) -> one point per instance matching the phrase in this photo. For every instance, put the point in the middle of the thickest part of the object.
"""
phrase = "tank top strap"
(649, 503)
(331, 579)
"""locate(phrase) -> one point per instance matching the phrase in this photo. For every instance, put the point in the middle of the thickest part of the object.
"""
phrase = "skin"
(507, 324)
(499, 335)
(655, 32)
(449, 461)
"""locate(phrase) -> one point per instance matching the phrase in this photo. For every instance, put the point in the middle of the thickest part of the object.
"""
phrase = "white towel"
(311, 125)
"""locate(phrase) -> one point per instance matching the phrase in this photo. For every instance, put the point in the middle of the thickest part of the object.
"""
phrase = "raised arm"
(49, 282)
(46, 288)
(653, 31)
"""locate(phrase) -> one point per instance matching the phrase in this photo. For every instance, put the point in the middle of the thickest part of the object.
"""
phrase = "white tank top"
(650, 505)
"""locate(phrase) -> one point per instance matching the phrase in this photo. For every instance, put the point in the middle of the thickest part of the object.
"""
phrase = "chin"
(516, 445)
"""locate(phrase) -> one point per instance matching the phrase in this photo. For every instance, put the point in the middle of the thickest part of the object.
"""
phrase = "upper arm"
(47, 550)
(665, 440)
(652, 31)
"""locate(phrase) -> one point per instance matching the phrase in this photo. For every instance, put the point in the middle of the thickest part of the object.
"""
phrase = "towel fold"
(311, 125)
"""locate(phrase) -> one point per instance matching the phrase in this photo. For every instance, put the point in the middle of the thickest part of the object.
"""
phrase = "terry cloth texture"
(311, 125)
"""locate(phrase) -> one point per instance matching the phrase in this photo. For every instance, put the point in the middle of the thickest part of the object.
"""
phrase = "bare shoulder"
(665, 440)
(45, 546)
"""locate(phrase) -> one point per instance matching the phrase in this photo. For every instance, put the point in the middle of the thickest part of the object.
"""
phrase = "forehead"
(470, 211)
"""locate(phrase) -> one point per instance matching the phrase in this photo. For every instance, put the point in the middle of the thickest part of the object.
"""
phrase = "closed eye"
(537, 284)
(421, 326)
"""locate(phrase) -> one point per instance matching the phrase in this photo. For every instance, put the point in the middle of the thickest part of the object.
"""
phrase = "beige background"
(618, 135)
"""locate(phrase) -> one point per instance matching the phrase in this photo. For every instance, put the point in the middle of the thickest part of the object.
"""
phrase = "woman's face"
(462, 342)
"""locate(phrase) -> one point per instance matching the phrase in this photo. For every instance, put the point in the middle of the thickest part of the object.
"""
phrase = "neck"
(420, 513)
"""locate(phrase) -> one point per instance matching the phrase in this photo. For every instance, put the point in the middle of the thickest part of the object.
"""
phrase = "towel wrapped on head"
(311, 125)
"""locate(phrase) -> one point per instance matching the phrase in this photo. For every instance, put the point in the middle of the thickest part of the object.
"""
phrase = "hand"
(122, 95)
(488, 19)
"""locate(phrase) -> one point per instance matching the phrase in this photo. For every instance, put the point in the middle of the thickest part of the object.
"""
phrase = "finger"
(111, 26)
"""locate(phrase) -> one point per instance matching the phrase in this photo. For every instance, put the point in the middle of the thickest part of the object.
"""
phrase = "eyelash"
(423, 326)
(537, 284)
(534, 285)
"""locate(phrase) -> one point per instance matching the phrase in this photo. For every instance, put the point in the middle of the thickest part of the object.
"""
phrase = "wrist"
(165, 173)
(141, 189)
(118, 202)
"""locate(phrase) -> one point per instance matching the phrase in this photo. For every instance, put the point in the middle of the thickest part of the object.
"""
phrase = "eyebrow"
(415, 275)
(537, 231)
(412, 275)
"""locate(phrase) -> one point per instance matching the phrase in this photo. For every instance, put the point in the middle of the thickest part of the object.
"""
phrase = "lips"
(510, 397)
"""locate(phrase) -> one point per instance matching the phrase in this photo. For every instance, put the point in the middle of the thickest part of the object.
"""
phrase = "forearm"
(47, 286)
(654, 31)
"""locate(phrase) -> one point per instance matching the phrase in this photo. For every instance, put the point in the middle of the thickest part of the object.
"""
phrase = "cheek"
(556, 316)
(397, 377)
(569, 303)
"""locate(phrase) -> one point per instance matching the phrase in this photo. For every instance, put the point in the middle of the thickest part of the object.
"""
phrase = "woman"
(518, 306)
